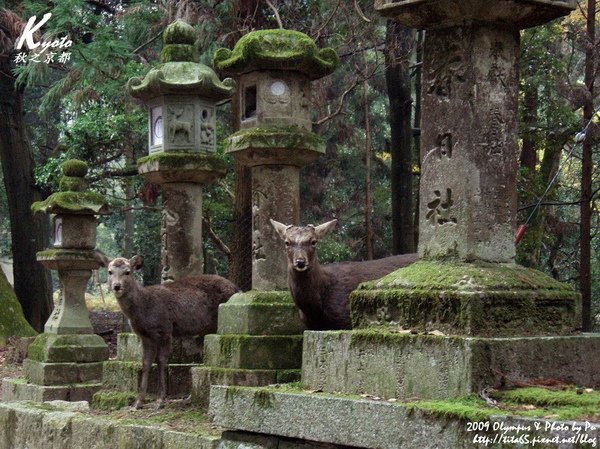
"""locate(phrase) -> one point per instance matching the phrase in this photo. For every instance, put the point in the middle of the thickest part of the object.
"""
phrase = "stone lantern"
(65, 362)
(181, 95)
(259, 338)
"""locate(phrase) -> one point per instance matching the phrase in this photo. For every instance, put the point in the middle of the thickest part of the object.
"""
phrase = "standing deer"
(321, 291)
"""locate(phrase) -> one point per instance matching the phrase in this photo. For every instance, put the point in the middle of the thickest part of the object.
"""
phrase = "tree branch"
(276, 14)
(216, 240)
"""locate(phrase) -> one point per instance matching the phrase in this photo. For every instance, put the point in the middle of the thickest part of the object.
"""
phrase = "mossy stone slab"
(199, 168)
(259, 313)
(185, 349)
(253, 351)
(41, 373)
(205, 376)
(15, 389)
(126, 376)
(490, 300)
(60, 348)
(395, 365)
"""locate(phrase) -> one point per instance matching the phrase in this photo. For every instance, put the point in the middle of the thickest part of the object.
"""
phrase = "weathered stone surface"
(393, 365)
(260, 313)
(517, 13)
(55, 348)
(348, 421)
(180, 440)
(185, 349)
(480, 299)
(41, 373)
(126, 376)
(20, 390)
(253, 351)
(93, 433)
(197, 168)
(12, 320)
(205, 376)
(138, 437)
(75, 231)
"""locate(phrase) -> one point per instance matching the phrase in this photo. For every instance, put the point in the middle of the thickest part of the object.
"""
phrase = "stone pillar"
(259, 337)
(181, 95)
(65, 362)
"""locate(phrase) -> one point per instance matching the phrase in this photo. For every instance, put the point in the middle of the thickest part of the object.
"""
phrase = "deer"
(321, 292)
(157, 313)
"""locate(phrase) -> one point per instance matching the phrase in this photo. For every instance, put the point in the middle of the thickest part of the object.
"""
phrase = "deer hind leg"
(164, 352)
(150, 350)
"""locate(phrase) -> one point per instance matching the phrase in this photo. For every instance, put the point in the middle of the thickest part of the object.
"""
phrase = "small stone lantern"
(181, 95)
(65, 362)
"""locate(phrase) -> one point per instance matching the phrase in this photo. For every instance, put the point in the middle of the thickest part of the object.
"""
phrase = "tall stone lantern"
(259, 338)
(181, 95)
(65, 362)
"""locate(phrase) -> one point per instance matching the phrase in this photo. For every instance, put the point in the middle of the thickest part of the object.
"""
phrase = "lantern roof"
(276, 50)
(179, 72)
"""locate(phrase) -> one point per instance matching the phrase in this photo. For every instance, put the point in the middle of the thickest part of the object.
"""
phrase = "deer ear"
(279, 227)
(136, 262)
(323, 229)
(101, 258)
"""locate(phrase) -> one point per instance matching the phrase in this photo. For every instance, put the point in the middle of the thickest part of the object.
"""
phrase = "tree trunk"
(368, 186)
(417, 131)
(28, 233)
(585, 274)
(397, 51)
(530, 118)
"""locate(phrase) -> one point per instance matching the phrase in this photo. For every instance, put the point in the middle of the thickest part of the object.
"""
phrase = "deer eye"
(109, 271)
(127, 273)
(313, 242)
(287, 243)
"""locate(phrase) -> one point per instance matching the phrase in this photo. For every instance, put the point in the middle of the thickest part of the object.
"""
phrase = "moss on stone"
(178, 53)
(372, 336)
(286, 137)
(73, 203)
(74, 168)
(66, 254)
(12, 320)
(178, 161)
(545, 397)
(72, 184)
(112, 400)
(179, 32)
(263, 398)
(260, 297)
(469, 408)
(276, 50)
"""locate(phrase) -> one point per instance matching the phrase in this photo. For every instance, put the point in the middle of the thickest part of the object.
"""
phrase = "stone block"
(41, 373)
(260, 313)
(55, 348)
(138, 437)
(205, 376)
(185, 350)
(253, 351)
(488, 300)
(126, 376)
(180, 440)
(93, 433)
(20, 390)
(393, 365)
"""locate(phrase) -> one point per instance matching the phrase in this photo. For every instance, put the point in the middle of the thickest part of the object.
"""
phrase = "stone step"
(354, 422)
(126, 376)
(185, 349)
(41, 373)
(15, 389)
(395, 365)
(205, 376)
(273, 352)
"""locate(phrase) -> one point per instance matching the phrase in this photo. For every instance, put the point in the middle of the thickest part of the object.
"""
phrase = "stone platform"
(352, 421)
(403, 365)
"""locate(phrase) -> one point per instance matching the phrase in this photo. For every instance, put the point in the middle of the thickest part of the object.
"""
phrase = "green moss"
(369, 337)
(66, 254)
(263, 398)
(178, 53)
(72, 184)
(262, 298)
(287, 137)
(469, 408)
(74, 168)
(179, 32)
(12, 320)
(545, 397)
(177, 161)
(276, 50)
(73, 203)
(112, 400)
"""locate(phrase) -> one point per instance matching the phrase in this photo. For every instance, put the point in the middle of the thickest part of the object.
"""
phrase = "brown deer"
(321, 291)
(157, 313)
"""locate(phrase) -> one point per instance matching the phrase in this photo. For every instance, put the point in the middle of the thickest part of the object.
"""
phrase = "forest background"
(368, 112)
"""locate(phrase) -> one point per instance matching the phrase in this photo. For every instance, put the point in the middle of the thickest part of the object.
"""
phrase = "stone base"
(484, 300)
(185, 350)
(394, 365)
(345, 421)
(41, 373)
(74, 348)
(126, 376)
(20, 390)
(274, 352)
(205, 376)
(260, 313)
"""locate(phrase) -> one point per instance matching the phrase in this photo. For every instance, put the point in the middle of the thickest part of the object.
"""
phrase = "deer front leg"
(149, 349)
(164, 352)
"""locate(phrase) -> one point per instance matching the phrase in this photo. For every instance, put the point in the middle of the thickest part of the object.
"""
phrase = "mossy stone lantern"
(274, 69)
(182, 96)
(65, 362)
